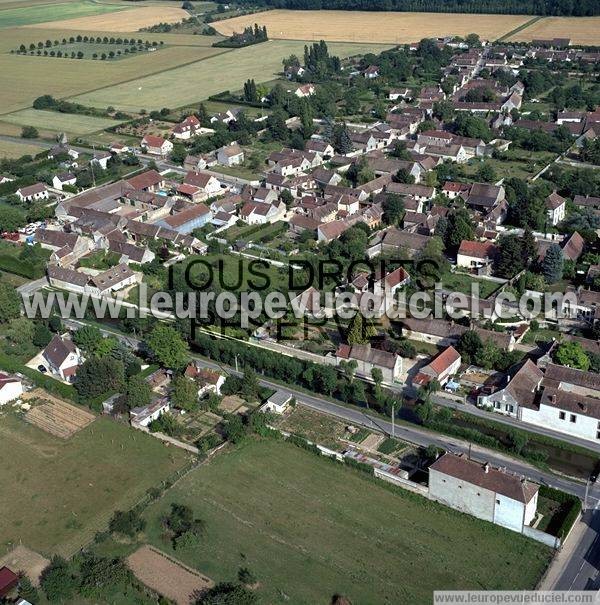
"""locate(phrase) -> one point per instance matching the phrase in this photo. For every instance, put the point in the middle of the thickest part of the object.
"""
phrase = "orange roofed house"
(441, 368)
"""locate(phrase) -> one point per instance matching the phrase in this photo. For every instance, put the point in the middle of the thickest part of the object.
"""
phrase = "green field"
(12, 149)
(191, 83)
(309, 528)
(60, 122)
(26, 15)
(59, 493)
(26, 77)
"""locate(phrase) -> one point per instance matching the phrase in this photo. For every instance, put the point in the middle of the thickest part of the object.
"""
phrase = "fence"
(541, 536)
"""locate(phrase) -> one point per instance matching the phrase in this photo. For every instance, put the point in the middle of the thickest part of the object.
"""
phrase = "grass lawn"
(12, 17)
(459, 282)
(232, 272)
(63, 492)
(309, 528)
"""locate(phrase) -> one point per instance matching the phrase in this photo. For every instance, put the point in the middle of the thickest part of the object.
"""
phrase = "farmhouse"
(258, 213)
(113, 279)
(156, 145)
(483, 491)
(62, 357)
(32, 193)
(368, 359)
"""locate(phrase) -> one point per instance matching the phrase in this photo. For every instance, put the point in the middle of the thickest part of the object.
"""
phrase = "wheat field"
(355, 26)
(581, 30)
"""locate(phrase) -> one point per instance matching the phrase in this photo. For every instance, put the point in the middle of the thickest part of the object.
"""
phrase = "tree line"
(583, 8)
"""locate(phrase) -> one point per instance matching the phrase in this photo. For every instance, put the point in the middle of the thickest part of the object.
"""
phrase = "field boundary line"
(520, 28)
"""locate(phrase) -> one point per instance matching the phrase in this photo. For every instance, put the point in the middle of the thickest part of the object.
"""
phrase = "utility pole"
(393, 425)
(236, 363)
(587, 487)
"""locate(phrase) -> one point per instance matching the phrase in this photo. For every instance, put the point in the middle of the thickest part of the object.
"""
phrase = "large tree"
(553, 264)
(167, 347)
(184, 393)
(98, 376)
(573, 355)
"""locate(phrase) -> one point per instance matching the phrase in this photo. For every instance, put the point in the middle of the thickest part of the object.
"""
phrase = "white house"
(475, 254)
(113, 279)
(101, 159)
(143, 416)
(556, 207)
(257, 213)
(32, 193)
(208, 183)
(483, 491)
(62, 358)
(186, 129)
(230, 155)
(568, 402)
(306, 90)
(207, 380)
(66, 178)
(277, 403)
(11, 388)
(156, 145)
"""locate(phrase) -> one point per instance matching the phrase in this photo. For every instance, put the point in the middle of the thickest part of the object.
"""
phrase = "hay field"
(64, 491)
(581, 30)
(111, 21)
(26, 15)
(60, 122)
(355, 26)
(10, 149)
(291, 516)
(191, 83)
(24, 77)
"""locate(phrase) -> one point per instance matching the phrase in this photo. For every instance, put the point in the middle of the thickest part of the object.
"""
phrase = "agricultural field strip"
(16, 97)
(215, 74)
(76, 124)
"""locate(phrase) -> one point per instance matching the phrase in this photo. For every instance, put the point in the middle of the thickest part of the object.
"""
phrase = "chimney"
(486, 468)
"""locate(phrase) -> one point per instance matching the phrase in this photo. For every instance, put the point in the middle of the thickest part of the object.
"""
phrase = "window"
(562, 415)
(597, 434)
(573, 418)
(497, 501)
(497, 405)
(510, 409)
